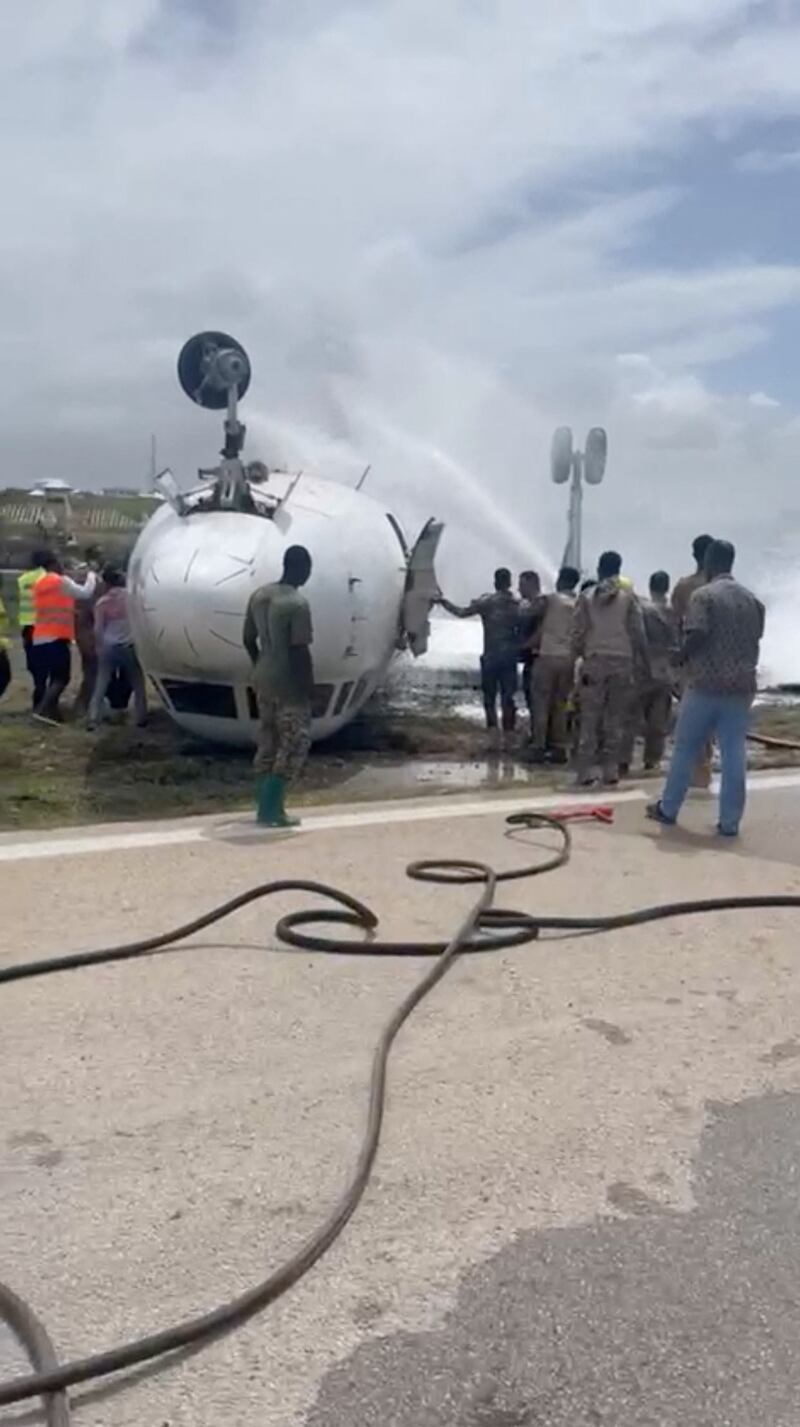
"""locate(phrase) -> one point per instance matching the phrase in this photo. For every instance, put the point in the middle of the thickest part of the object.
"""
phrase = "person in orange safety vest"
(54, 597)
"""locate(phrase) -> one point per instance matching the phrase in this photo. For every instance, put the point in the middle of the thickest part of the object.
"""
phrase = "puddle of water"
(403, 778)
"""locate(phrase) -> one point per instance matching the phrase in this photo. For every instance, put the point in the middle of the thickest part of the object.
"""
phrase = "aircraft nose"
(190, 585)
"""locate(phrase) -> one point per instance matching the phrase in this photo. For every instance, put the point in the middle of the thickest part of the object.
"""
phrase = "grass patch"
(67, 775)
(62, 776)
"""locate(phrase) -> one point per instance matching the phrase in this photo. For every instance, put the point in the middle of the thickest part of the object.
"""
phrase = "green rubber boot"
(267, 806)
(283, 819)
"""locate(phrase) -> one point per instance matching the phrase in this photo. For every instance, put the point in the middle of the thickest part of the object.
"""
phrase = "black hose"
(484, 928)
(35, 1339)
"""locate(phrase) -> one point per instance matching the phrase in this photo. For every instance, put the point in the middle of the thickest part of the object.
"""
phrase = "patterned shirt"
(500, 614)
(724, 624)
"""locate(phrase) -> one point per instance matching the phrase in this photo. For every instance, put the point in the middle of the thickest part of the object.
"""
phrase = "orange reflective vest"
(54, 611)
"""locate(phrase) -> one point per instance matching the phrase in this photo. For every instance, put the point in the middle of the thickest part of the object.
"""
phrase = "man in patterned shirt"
(723, 628)
(500, 616)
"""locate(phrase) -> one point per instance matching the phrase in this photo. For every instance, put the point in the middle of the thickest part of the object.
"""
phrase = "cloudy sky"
(441, 228)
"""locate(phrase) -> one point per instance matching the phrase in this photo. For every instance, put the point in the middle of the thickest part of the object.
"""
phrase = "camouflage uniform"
(606, 689)
(284, 737)
(661, 629)
(278, 622)
(553, 675)
(681, 595)
(608, 634)
(552, 686)
(651, 701)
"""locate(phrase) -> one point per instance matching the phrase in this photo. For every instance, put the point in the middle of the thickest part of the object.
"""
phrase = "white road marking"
(31, 847)
(209, 830)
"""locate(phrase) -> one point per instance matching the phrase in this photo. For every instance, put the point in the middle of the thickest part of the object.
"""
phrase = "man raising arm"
(500, 616)
(54, 596)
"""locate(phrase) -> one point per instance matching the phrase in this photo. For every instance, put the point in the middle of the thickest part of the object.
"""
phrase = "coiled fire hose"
(484, 928)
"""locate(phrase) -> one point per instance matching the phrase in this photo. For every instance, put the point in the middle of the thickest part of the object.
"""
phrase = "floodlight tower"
(567, 464)
(214, 370)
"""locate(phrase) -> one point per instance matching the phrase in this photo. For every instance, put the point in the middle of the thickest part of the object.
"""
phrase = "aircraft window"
(323, 693)
(342, 697)
(211, 700)
(360, 689)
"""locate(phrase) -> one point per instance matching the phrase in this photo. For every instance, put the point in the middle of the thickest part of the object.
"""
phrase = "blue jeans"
(112, 658)
(700, 717)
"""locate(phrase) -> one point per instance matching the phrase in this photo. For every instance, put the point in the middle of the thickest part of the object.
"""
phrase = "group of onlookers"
(601, 666)
(89, 609)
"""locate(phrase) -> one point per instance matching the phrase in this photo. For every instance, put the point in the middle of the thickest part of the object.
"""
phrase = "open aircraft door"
(422, 588)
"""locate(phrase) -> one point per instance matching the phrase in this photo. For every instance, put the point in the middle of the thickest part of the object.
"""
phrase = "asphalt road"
(585, 1205)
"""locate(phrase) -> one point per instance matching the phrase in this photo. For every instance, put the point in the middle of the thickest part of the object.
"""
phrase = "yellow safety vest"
(25, 609)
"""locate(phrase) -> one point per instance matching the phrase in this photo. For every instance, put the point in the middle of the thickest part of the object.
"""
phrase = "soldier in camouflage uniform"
(681, 595)
(651, 705)
(608, 636)
(661, 630)
(284, 737)
(277, 636)
(554, 671)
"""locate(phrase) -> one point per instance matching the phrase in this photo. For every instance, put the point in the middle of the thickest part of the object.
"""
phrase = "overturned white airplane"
(203, 554)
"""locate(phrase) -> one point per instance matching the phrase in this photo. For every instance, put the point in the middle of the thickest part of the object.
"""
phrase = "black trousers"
(30, 661)
(52, 663)
(499, 676)
(119, 691)
(5, 671)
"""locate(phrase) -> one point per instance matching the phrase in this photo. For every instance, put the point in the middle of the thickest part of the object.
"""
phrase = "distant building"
(53, 487)
(55, 514)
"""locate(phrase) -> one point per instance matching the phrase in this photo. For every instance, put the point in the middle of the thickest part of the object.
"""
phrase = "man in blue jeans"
(722, 633)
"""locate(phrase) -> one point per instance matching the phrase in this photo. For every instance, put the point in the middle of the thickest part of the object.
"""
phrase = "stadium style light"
(567, 464)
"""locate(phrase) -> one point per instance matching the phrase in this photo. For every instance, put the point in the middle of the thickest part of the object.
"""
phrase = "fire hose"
(485, 928)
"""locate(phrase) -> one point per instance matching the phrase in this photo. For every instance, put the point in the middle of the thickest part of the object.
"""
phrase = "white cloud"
(769, 161)
(400, 208)
(760, 398)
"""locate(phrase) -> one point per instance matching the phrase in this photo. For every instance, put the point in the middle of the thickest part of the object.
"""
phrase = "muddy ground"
(66, 775)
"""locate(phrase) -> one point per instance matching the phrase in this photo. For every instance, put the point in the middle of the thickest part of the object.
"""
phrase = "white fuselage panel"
(191, 576)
